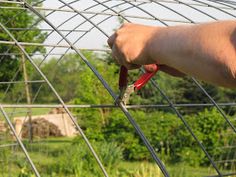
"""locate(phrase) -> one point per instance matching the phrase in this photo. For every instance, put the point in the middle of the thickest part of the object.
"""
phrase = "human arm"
(205, 51)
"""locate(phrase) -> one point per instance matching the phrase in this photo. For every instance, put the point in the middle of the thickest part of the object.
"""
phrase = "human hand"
(130, 45)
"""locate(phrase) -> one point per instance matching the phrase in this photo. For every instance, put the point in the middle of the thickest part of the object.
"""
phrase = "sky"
(96, 38)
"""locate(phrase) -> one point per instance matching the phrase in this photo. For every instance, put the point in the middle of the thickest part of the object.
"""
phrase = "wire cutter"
(126, 90)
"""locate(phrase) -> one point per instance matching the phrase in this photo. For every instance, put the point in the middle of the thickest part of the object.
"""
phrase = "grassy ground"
(177, 170)
(44, 153)
(48, 156)
(18, 112)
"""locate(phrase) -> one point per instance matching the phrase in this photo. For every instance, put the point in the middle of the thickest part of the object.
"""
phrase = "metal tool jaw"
(125, 90)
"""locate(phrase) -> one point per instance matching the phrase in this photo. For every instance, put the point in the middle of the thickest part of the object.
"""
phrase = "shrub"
(78, 160)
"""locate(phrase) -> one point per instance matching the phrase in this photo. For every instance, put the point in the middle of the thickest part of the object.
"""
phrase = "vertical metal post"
(28, 97)
(19, 141)
(57, 95)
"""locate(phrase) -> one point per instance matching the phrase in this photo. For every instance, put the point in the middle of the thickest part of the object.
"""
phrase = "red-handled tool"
(125, 90)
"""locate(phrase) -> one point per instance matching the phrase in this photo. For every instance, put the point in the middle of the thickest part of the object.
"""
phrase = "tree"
(188, 92)
(13, 19)
(14, 62)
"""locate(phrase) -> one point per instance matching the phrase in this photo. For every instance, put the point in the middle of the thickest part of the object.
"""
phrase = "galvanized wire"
(19, 141)
(59, 98)
(138, 130)
(187, 105)
(19, 45)
(221, 6)
(152, 151)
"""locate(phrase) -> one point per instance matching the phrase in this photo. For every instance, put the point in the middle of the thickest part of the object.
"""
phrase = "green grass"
(18, 112)
(44, 153)
(47, 155)
(178, 170)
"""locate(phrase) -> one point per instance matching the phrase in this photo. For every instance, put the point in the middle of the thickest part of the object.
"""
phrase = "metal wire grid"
(93, 16)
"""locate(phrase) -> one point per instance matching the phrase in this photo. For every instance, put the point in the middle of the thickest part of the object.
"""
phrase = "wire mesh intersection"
(92, 21)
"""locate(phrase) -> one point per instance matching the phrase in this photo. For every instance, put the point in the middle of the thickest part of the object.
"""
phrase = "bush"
(147, 170)
(82, 163)
(165, 131)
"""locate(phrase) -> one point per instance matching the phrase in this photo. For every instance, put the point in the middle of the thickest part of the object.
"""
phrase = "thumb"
(151, 68)
(111, 40)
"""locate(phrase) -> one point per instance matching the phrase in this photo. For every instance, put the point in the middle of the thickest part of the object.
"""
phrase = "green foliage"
(110, 132)
(188, 92)
(191, 156)
(25, 172)
(146, 170)
(17, 19)
(187, 87)
(210, 123)
(118, 129)
(82, 163)
(53, 158)
(75, 81)
(169, 137)
(4, 154)
(63, 75)
(209, 127)
(166, 133)
(150, 95)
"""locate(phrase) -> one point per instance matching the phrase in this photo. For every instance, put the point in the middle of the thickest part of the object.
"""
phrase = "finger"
(172, 71)
(120, 58)
(111, 40)
(132, 66)
(125, 24)
(150, 68)
(116, 55)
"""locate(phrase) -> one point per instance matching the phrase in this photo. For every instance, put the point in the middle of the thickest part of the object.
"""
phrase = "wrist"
(154, 45)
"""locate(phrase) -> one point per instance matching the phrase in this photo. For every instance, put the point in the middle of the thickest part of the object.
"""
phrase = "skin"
(204, 51)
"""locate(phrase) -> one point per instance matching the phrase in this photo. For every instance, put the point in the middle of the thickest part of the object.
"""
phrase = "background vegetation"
(115, 140)
(112, 135)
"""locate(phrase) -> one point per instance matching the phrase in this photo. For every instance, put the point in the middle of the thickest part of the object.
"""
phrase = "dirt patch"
(3, 127)
(47, 125)
(41, 128)
(57, 111)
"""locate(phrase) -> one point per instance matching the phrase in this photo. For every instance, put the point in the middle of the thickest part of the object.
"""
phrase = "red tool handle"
(150, 72)
(123, 79)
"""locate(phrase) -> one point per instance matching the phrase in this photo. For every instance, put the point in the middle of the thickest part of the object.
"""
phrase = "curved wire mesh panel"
(61, 30)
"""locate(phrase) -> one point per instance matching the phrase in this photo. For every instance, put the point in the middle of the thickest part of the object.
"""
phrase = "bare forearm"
(205, 51)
